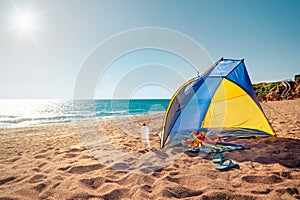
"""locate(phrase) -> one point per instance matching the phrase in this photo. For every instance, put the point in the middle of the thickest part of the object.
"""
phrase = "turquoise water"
(23, 113)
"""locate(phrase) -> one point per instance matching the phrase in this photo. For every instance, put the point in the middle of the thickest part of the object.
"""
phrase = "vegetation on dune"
(297, 78)
(265, 88)
(278, 90)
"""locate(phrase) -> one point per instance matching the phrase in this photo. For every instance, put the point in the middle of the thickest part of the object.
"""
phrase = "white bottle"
(145, 136)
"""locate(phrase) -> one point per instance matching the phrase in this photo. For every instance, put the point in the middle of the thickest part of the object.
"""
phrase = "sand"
(78, 161)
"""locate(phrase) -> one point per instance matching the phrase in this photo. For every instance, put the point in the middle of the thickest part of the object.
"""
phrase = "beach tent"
(222, 100)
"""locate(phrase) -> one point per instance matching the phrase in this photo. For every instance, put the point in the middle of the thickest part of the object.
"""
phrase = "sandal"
(217, 157)
(224, 165)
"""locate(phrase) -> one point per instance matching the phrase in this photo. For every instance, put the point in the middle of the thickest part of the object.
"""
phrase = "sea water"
(23, 113)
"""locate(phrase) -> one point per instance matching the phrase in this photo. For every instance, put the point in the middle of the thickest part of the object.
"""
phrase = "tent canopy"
(221, 100)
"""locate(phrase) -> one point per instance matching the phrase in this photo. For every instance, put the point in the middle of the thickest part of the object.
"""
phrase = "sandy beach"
(75, 161)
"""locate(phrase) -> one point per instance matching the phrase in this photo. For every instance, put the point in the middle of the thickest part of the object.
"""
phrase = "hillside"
(275, 91)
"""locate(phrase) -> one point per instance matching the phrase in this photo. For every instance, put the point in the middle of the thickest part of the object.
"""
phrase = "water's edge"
(26, 113)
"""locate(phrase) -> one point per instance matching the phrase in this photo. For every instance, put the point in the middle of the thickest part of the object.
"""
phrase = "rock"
(273, 96)
(279, 89)
(261, 97)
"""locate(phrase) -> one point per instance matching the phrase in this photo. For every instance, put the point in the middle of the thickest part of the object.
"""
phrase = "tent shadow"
(270, 150)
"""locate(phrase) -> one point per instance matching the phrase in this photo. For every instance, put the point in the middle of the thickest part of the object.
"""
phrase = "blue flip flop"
(217, 157)
(227, 164)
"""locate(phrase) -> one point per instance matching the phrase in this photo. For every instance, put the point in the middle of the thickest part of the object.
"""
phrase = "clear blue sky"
(41, 57)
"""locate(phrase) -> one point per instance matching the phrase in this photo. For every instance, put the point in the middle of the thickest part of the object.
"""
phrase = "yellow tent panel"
(227, 109)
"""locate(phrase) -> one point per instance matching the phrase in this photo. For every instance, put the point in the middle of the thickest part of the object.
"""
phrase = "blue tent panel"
(178, 103)
(193, 113)
(223, 68)
(240, 77)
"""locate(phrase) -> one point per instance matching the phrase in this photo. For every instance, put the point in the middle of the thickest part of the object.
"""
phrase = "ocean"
(16, 113)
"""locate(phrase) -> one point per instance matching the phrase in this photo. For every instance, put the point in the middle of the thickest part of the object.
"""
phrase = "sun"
(24, 22)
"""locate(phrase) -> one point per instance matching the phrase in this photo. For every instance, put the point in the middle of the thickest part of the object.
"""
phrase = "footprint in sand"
(42, 164)
(70, 155)
(147, 188)
(116, 194)
(43, 151)
(267, 191)
(64, 168)
(14, 159)
(40, 187)
(145, 183)
(36, 169)
(84, 169)
(262, 179)
(226, 195)
(291, 191)
(93, 183)
(180, 192)
(86, 157)
(37, 178)
(6, 180)
(84, 196)
(121, 166)
(39, 156)
(157, 174)
(171, 179)
(174, 173)
(75, 149)
(55, 185)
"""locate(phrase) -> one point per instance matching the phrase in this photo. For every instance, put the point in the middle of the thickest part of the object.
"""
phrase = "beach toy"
(196, 133)
(192, 143)
(217, 138)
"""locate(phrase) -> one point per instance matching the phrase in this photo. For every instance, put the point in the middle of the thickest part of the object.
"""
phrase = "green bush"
(297, 78)
(265, 88)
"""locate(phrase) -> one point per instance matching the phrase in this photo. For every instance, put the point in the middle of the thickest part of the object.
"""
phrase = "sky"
(44, 45)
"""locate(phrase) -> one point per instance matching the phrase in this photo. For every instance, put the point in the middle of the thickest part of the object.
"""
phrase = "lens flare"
(25, 22)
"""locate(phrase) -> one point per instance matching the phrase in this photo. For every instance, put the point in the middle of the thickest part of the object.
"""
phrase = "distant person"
(145, 136)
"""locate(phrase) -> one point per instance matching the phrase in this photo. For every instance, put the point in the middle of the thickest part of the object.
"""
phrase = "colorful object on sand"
(223, 146)
(198, 140)
(217, 157)
(193, 142)
(227, 164)
(221, 100)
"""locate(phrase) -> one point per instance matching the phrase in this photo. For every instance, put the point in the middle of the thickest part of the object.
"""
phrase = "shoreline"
(82, 120)
(264, 105)
(269, 109)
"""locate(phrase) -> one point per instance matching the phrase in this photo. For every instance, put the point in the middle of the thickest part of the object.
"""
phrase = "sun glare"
(24, 22)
